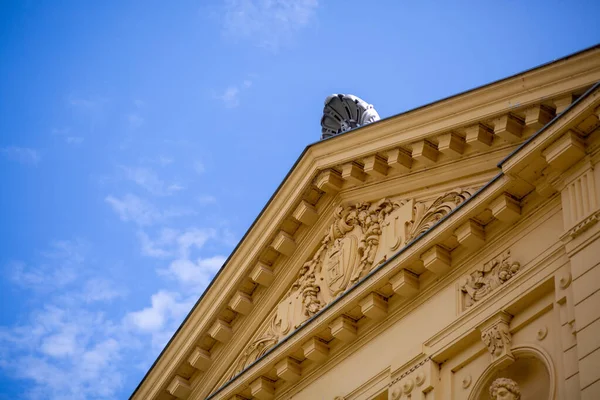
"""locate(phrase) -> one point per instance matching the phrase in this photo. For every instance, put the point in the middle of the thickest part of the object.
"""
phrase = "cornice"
(485, 198)
(406, 256)
(513, 94)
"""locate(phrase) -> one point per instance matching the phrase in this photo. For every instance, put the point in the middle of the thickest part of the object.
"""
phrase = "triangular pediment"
(349, 206)
(356, 238)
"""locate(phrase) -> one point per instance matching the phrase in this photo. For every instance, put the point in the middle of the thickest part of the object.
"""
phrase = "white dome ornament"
(343, 112)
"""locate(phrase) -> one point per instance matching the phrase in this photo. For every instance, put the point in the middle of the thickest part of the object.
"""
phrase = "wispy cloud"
(166, 311)
(135, 120)
(232, 94)
(206, 199)
(159, 247)
(67, 136)
(74, 139)
(23, 155)
(131, 208)
(230, 97)
(38, 277)
(59, 267)
(164, 161)
(63, 346)
(66, 352)
(101, 290)
(194, 274)
(149, 180)
(92, 107)
(199, 167)
(266, 23)
(87, 104)
(175, 242)
(191, 274)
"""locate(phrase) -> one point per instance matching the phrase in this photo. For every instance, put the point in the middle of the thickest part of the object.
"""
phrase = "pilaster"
(579, 195)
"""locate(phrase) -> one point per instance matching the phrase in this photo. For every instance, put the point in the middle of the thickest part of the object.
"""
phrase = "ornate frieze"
(479, 283)
(349, 250)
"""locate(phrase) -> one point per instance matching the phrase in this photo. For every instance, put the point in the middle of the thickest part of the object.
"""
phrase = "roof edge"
(309, 146)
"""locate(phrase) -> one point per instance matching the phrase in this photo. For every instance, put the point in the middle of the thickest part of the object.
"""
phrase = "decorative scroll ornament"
(495, 334)
(505, 389)
(256, 350)
(347, 253)
(426, 216)
(496, 338)
(343, 112)
(484, 280)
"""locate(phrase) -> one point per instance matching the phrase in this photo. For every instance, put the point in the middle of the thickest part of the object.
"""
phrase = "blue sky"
(140, 139)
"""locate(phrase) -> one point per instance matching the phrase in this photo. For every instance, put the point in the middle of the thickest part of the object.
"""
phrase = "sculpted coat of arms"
(350, 249)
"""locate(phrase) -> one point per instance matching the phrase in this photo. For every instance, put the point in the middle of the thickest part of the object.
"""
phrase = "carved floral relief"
(479, 283)
(349, 250)
(496, 338)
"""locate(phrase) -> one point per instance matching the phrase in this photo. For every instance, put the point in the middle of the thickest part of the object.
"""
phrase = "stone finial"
(343, 112)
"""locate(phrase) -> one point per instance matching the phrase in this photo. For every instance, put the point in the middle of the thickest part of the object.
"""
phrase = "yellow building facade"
(449, 252)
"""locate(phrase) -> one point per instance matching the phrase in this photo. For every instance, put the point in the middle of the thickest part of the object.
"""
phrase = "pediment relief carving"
(360, 237)
(484, 280)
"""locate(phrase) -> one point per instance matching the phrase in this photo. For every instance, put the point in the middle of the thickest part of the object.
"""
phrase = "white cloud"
(153, 318)
(194, 274)
(65, 133)
(60, 344)
(158, 248)
(23, 155)
(199, 167)
(72, 251)
(86, 104)
(99, 289)
(59, 268)
(193, 238)
(131, 208)
(135, 209)
(91, 108)
(206, 199)
(174, 188)
(135, 120)
(74, 140)
(44, 277)
(164, 161)
(191, 275)
(148, 179)
(65, 352)
(230, 97)
(161, 318)
(172, 242)
(266, 23)
(65, 346)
